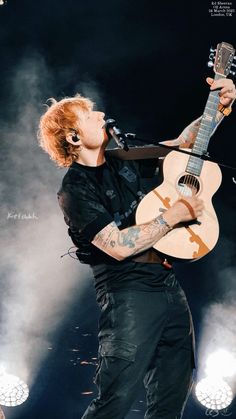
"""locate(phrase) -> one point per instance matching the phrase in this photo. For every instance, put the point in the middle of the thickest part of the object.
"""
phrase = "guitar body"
(187, 240)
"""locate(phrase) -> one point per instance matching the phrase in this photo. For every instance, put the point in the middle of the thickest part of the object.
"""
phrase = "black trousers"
(143, 336)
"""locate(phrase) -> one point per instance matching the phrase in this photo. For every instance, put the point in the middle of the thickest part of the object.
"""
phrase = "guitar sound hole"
(188, 185)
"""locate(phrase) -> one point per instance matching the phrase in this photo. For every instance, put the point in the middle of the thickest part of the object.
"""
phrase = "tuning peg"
(210, 64)
(234, 58)
(211, 56)
(212, 50)
(233, 65)
(232, 72)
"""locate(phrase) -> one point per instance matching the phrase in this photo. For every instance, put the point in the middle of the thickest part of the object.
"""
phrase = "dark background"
(144, 63)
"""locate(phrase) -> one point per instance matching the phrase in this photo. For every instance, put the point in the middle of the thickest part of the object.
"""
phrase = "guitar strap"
(190, 208)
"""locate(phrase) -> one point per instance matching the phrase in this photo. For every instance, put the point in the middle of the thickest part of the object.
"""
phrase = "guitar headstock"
(223, 57)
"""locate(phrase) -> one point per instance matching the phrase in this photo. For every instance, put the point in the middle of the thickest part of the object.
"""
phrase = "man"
(145, 328)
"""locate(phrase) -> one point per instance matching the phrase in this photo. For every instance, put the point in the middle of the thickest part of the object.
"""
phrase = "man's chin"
(105, 137)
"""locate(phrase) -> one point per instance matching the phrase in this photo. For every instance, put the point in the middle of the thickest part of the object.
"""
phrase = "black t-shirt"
(93, 197)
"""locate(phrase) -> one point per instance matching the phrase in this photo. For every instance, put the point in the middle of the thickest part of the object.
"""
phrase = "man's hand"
(187, 209)
(227, 91)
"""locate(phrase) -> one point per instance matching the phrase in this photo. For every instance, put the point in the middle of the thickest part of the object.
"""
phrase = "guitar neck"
(194, 165)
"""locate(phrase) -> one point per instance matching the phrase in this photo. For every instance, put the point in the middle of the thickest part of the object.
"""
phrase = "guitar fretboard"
(194, 165)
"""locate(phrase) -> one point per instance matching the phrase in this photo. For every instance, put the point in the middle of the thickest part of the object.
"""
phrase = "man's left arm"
(227, 95)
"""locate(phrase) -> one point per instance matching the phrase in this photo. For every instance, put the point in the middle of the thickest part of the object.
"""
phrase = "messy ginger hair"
(60, 119)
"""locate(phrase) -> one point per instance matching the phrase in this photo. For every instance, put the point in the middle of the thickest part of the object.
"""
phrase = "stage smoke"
(217, 353)
(37, 286)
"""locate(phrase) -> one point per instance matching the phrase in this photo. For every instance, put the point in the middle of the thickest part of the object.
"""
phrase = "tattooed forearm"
(150, 233)
(103, 238)
(189, 134)
(129, 238)
(130, 241)
(219, 117)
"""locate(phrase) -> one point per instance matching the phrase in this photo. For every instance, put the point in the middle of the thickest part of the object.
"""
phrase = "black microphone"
(113, 131)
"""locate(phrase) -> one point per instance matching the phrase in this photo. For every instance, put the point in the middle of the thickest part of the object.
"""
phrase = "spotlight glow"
(221, 364)
(214, 394)
(13, 391)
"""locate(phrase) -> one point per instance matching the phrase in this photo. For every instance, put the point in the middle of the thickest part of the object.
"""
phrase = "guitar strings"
(189, 182)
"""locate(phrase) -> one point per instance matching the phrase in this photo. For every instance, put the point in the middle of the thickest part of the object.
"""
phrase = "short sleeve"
(83, 210)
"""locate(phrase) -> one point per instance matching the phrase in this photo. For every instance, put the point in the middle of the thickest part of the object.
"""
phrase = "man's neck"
(91, 157)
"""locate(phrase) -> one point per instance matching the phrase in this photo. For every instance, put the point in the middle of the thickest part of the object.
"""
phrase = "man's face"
(93, 135)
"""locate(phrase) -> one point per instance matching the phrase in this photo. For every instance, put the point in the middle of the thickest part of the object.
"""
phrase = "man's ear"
(72, 138)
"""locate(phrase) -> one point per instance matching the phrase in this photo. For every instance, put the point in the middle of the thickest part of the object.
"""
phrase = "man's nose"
(101, 115)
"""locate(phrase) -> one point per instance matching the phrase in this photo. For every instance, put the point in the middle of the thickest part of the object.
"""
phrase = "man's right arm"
(130, 241)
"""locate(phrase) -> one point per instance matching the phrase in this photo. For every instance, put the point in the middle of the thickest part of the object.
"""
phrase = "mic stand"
(204, 156)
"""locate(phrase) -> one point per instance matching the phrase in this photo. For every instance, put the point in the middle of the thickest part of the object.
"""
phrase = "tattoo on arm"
(219, 117)
(103, 238)
(130, 241)
(189, 134)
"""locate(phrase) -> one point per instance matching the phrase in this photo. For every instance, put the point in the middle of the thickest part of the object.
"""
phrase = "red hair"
(60, 119)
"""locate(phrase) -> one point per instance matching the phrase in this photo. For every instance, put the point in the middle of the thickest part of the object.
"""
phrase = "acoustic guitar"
(186, 175)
